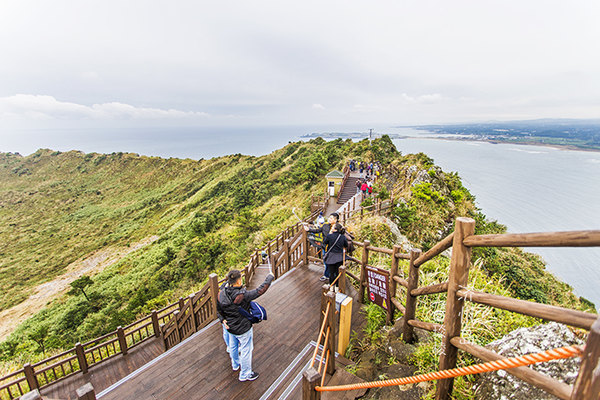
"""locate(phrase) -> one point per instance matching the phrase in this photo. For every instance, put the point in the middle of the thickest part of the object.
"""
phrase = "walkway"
(199, 368)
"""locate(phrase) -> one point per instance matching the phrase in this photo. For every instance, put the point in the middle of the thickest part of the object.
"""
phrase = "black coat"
(334, 245)
(323, 229)
(231, 298)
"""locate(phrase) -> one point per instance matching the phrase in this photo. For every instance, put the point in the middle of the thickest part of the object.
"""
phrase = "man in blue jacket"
(237, 329)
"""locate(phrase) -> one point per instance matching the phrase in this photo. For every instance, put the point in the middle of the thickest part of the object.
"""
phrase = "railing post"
(287, 258)
(392, 283)
(122, 341)
(176, 322)
(324, 291)
(269, 252)
(213, 280)
(342, 279)
(192, 313)
(155, 324)
(332, 340)
(32, 395)
(310, 380)
(181, 303)
(83, 365)
(306, 245)
(86, 392)
(411, 301)
(587, 385)
(30, 377)
(458, 276)
(274, 268)
(363, 269)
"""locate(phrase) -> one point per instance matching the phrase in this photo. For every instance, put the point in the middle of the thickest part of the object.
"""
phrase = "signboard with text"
(378, 286)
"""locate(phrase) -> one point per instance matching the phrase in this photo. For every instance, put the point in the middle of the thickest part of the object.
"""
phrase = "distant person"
(324, 230)
(363, 187)
(237, 329)
(358, 185)
(335, 243)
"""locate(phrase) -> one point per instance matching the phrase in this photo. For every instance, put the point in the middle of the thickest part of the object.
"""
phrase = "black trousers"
(334, 270)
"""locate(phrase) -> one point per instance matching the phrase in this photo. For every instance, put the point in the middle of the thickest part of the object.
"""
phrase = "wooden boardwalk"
(199, 368)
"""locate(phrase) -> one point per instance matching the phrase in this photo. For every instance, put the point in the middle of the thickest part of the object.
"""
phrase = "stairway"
(348, 191)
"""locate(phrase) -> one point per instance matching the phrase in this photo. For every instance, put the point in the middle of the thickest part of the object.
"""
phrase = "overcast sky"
(218, 63)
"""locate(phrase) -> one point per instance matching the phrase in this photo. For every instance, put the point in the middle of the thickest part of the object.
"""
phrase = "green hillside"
(208, 216)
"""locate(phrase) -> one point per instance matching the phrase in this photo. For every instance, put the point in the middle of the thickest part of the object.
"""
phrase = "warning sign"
(378, 286)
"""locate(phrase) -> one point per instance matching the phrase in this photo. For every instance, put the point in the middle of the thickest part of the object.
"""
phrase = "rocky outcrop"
(502, 385)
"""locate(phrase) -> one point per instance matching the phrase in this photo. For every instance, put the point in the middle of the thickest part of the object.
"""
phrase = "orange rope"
(314, 357)
(324, 347)
(555, 354)
(326, 362)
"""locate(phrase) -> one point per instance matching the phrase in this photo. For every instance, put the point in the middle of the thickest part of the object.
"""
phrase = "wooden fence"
(174, 323)
(462, 240)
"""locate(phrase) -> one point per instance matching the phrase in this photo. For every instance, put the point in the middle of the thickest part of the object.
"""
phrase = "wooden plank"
(428, 326)
(401, 281)
(398, 305)
(567, 316)
(537, 379)
(411, 301)
(543, 239)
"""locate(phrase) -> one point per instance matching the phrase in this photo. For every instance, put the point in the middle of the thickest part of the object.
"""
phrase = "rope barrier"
(314, 357)
(513, 362)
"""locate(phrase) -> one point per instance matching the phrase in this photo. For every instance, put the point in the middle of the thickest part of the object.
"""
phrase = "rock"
(502, 385)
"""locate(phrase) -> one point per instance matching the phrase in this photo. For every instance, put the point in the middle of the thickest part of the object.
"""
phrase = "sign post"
(378, 286)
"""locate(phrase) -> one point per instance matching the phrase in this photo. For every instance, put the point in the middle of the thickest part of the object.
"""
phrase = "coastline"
(492, 141)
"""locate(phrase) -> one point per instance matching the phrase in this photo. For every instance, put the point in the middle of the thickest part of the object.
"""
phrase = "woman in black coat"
(335, 243)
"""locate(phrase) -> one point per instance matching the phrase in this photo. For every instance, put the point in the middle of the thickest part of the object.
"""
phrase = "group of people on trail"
(365, 186)
(332, 246)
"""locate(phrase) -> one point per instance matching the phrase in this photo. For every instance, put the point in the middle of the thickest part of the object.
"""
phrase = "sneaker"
(236, 368)
(251, 377)
(323, 278)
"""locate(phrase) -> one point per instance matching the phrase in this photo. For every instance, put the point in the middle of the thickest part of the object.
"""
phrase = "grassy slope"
(210, 215)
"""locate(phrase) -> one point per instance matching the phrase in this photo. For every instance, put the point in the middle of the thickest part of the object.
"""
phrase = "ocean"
(526, 188)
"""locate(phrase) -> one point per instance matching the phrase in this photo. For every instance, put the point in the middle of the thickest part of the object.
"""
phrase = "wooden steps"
(349, 190)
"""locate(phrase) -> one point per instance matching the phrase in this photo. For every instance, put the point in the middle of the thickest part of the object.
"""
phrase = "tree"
(81, 284)
(39, 335)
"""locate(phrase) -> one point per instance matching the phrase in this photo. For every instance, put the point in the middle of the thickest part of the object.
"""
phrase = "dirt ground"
(46, 292)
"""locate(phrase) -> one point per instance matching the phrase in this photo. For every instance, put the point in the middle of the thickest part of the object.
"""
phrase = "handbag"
(256, 314)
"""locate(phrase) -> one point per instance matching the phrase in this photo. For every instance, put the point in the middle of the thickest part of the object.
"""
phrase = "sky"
(87, 63)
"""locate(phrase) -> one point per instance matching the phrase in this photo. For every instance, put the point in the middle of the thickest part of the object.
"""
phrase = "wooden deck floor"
(199, 368)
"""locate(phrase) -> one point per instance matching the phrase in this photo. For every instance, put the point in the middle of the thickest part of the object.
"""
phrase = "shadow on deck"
(199, 368)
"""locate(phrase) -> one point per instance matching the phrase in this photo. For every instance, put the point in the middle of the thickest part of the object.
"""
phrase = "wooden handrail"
(443, 245)
(542, 239)
(567, 316)
(537, 379)
(381, 250)
(431, 289)
(428, 326)
(401, 281)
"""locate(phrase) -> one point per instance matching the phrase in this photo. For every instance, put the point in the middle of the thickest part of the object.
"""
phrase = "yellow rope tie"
(554, 354)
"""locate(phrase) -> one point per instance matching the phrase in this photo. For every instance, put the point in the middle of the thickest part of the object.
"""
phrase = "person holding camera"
(237, 329)
(334, 244)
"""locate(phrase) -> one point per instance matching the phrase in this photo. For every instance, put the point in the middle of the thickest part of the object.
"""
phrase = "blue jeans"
(241, 347)
(326, 272)
(227, 339)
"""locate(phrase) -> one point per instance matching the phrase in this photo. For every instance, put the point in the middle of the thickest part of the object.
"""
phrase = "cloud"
(48, 107)
(423, 99)
(317, 106)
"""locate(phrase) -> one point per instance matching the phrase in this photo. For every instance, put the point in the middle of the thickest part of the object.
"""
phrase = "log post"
(176, 321)
(324, 291)
(192, 313)
(122, 340)
(331, 343)
(83, 365)
(86, 392)
(310, 380)
(345, 325)
(213, 280)
(458, 276)
(363, 270)
(269, 251)
(587, 385)
(30, 377)
(392, 283)
(306, 245)
(181, 303)
(288, 256)
(155, 324)
(342, 279)
(411, 301)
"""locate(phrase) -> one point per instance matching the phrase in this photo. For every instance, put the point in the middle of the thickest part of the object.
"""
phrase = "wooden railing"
(346, 172)
(173, 323)
(456, 288)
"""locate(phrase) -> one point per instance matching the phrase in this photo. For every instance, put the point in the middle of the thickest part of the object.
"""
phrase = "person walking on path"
(324, 230)
(335, 243)
(237, 329)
